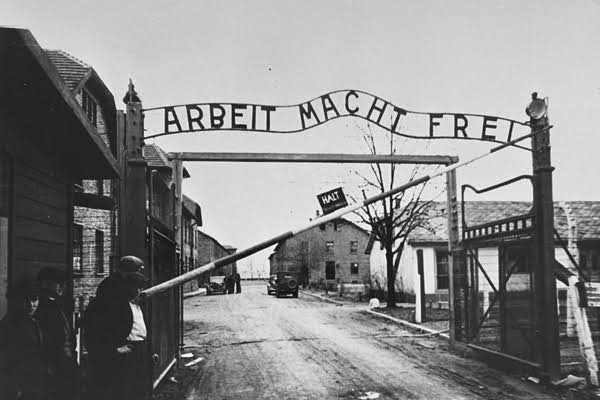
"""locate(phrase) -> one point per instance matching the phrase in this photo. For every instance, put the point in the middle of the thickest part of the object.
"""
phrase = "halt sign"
(332, 200)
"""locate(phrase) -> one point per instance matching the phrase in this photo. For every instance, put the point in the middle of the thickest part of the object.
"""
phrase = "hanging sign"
(332, 200)
(199, 117)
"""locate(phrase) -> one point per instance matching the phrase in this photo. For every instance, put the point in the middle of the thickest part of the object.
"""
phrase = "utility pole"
(544, 280)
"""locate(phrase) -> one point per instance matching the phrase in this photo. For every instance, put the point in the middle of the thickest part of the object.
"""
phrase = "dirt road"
(259, 347)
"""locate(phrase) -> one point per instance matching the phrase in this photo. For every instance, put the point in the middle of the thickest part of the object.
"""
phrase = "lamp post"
(544, 280)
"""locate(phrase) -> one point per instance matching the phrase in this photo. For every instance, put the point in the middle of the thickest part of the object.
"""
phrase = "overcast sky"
(431, 56)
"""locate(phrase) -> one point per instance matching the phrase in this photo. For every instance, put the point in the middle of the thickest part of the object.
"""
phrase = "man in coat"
(23, 366)
(115, 335)
(58, 342)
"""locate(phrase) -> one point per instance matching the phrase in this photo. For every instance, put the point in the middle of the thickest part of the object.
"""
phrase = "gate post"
(132, 229)
(544, 280)
(454, 265)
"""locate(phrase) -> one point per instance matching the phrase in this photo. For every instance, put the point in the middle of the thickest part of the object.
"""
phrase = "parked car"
(214, 288)
(271, 283)
(286, 283)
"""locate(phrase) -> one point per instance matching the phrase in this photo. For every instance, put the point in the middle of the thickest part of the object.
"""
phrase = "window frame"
(437, 252)
(329, 270)
(354, 247)
(99, 252)
(77, 247)
(329, 246)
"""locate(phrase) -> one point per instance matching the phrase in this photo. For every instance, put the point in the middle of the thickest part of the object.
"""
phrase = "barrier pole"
(322, 220)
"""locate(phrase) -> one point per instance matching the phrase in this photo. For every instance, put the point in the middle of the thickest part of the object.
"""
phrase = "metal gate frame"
(513, 229)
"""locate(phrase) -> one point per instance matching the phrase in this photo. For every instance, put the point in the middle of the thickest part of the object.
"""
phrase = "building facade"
(333, 252)
(577, 223)
(95, 216)
(38, 112)
(209, 249)
(191, 221)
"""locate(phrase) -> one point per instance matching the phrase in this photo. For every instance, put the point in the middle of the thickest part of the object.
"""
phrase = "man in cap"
(23, 367)
(115, 335)
(58, 336)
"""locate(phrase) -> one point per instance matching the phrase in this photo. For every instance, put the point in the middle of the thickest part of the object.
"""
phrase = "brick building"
(334, 251)
(209, 249)
(95, 217)
(191, 215)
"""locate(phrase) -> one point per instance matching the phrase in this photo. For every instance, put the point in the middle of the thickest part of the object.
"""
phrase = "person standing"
(23, 367)
(229, 284)
(238, 283)
(115, 335)
(58, 337)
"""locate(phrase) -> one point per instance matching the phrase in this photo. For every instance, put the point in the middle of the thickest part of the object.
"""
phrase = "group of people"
(232, 282)
(38, 359)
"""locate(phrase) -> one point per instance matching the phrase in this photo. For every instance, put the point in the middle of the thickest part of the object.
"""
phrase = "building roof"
(585, 216)
(32, 82)
(192, 208)
(71, 69)
(157, 158)
(76, 73)
(212, 239)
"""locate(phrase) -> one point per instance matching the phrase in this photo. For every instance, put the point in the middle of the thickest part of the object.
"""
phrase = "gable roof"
(71, 69)
(215, 241)
(192, 208)
(157, 158)
(585, 215)
(31, 81)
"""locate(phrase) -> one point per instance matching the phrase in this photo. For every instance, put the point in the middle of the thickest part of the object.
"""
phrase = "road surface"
(259, 347)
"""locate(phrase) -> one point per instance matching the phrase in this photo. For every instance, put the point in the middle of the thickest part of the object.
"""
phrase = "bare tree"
(393, 218)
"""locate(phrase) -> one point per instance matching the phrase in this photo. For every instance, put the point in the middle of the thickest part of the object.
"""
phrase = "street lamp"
(537, 108)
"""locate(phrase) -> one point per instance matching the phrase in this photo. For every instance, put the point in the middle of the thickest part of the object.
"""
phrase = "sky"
(464, 56)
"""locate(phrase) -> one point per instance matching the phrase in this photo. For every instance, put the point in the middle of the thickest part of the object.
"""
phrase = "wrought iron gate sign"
(342, 103)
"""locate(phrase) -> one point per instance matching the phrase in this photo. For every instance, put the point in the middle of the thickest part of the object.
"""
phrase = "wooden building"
(47, 144)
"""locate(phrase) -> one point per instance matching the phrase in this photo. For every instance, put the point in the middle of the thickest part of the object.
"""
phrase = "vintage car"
(284, 284)
(271, 284)
(214, 288)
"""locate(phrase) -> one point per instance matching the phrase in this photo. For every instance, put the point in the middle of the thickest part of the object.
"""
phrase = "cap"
(24, 289)
(130, 264)
(52, 274)
(136, 279)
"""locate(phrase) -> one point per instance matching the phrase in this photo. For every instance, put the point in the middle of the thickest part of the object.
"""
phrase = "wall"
(290, 255)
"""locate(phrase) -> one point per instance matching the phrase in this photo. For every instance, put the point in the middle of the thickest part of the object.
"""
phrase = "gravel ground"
(255, 346)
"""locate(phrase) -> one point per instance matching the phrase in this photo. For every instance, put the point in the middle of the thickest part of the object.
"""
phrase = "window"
(89, 107)
(329, 247)
(441, 262)
(335, 226)
(354, 268)
(77, 248)
(304, 247)
(589, 258)
(322, 227)
(330, 270)
(353, 247)
(515, 259)
(99, 251)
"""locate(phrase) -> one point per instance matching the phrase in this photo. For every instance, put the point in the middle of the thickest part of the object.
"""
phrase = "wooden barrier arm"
(319, 221)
